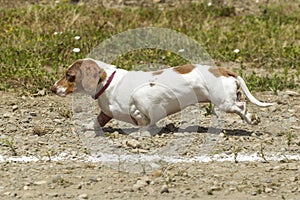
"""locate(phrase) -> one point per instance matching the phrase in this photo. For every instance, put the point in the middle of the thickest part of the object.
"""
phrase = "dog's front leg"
(103, 119)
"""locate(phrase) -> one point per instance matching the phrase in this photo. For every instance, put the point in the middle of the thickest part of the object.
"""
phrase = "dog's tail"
(250, 96)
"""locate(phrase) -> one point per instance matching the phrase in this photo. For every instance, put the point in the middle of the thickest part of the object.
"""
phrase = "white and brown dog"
(143, 98)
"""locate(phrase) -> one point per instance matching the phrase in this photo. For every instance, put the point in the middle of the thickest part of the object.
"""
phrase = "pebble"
(279, 167)
(146, 134)
(253, 193)
(268, 190)
(42, 182)
(33, 114)
(215, 188)
(14, 108)
(6, 115)
(222, 135)
(132, 143)
(141, 183)
(157, 173)
(94, 179)
(57, 178)
(179, 134)
(53, 194)
(58, 121)
(83, 196)
(139, 151)
(115, 134)
(164, 189)
(26, 187)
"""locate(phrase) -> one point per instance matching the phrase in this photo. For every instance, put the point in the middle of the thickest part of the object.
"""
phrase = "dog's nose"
(54, 89)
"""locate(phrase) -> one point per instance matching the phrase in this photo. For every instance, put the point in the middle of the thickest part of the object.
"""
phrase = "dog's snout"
(54, 89)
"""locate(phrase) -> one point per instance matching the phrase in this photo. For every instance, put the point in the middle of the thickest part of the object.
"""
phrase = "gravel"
(42, 130)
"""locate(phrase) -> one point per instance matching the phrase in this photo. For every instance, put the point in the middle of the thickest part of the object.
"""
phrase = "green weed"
(9, 142)
(36, 41)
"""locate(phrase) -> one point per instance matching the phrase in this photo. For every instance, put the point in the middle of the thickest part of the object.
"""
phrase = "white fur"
(145, 98)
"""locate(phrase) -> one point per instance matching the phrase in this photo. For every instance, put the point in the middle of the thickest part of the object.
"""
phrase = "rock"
(139, 151)
(279, 167)
(115, 134)
(58, 121)
(179, 134)
(164, 189)
(54, 194)
(26, 187)
(253, 135)
(133, 143)
(14, 108)
(145, 134)
(42, 92)
(222, 135)
(268, 190)
(7, 193)
(157, 173)
(253, 193)
(42, 182)
(141, 183)
(6, 115)
(57, 179)
(32, 113)
(83, 196)
(215, 188)
(135, 135)
(94, 179)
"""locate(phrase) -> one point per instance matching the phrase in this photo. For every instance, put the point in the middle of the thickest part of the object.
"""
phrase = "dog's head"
(82, 76)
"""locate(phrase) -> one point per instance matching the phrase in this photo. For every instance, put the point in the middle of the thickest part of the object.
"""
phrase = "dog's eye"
(70, 77)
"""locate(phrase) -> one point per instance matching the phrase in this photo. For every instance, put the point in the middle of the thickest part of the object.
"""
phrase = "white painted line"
(114, 158)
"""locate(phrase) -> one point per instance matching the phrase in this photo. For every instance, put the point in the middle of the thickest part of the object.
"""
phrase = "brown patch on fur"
(221, 71)
(90, 75)
(152, 84)
(184, 69)
(157, 72)
(82, 74)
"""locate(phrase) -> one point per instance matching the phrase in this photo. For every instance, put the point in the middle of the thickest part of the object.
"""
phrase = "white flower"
(181, 50)
(236, 51)
(55, 33)
(209, 4)
(76, 50)
(77, 37)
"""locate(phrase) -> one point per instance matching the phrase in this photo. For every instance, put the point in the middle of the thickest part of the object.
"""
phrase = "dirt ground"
(40, 129)
(45, 153)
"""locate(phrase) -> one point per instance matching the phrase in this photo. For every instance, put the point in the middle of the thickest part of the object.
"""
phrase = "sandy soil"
(43, 131)
(49, 152)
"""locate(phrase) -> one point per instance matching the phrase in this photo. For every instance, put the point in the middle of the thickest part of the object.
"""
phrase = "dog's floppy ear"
(89, 76)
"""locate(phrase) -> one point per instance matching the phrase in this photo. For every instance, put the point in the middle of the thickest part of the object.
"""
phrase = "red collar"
(97, 95)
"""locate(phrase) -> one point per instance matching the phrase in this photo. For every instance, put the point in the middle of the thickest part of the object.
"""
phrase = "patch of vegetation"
(10, 143)
(36, 41)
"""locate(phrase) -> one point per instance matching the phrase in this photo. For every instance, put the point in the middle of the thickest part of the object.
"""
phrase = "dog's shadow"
(170, 128)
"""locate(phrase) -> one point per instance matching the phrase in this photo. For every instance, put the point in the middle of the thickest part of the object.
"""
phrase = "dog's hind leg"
(138, 117)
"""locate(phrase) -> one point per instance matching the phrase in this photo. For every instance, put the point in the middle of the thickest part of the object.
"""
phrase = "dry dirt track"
(42, 129)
